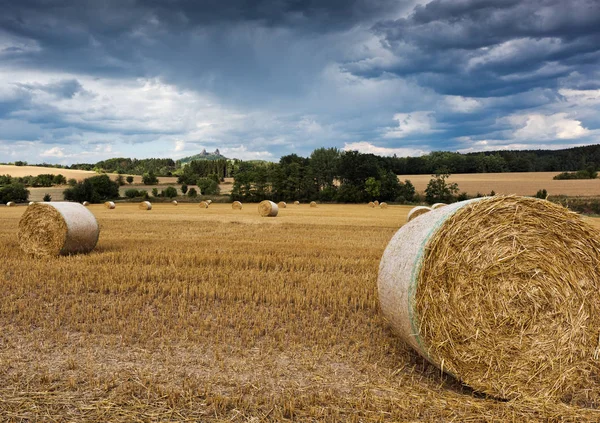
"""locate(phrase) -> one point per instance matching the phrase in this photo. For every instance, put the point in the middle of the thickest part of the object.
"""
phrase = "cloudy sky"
(86, 80)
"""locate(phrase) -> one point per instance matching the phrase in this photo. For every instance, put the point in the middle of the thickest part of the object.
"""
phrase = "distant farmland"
(525, 183)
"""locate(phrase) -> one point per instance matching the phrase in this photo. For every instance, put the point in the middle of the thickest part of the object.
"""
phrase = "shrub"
(96, 189)
(184, 188)
(132, 193)
(14, 192)
(169, 192)
(192, 193)
(149, 178)
(543, 194)
(129, 179)
(72, 182)
(155, 192)
(439, 191)
(208, 186)
(47, 197)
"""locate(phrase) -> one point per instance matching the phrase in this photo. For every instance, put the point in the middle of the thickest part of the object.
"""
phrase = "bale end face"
(268, 208)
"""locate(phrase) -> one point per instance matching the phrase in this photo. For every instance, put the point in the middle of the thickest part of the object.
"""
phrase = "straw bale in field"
(416, 212)
(236, 205)
(10, 204)
(86, 203)
(203, 204)
(371, 204)
(50, 229)
(268, 209)
(109, 205)
(31, 203)
(501, 292)
(282, 204)
(174, 202)
(313, 204)
(145, 205)
(438, 205)
(297, 203)
(376, 203)
(209, 202)
(383, 205)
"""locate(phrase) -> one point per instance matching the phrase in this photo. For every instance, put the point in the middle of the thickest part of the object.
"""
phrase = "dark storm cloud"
(491, 47)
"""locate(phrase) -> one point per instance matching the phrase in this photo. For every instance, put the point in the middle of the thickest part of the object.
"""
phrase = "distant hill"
(216, 155)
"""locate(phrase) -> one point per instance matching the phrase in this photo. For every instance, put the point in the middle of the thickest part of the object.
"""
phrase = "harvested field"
(524, 183)
(221, 315)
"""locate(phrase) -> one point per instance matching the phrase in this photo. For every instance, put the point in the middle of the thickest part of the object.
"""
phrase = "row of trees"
(43, 180)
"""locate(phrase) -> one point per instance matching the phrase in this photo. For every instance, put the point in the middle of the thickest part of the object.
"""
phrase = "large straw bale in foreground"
(268, 209)
(501, 292)
(236, 205)
(145, 205)
(50, 229)
(109, 205)
(416, 212)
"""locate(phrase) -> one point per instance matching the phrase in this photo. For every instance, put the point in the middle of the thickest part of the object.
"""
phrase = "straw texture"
(203, 204)
(416, 212)
(236, 205)
(145, 205)
(282, 204)
(503, 293)
(313, 204)
(268, 209)
(438, 205)
(50, 229)
(109, 205)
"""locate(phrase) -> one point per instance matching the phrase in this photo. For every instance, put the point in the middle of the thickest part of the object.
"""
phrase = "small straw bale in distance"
(109, 205)
(236, 205)
(51, 229)
(203, 204)
(371, 204)
(145, 205)
(86, 203)
(383, 205)
(376, 203)
(209, 202)
(297, 203)
(10, 204)
(31, 203)
(268, 209)
(174, 202)
(416, 212)
(313, 204)
(438, 205)
(282, 204)
(503, 293)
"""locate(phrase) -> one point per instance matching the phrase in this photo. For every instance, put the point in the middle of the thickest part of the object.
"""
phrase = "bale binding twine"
(145, 205)
(51, 229)
(268, 209)
(416, 212)
(502, 293)
(236, 205)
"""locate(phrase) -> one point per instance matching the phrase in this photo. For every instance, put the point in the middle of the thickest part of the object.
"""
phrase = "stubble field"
(189, 314)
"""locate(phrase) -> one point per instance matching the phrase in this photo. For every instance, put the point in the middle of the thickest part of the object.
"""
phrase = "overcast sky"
(86, 80)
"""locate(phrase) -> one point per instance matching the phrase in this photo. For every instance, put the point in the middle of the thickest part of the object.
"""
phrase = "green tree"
(132, 193)
(129, 179)
(120, 180)
(169, 192)
(373, 187)
(542, 193)
(155, 192)
(14, 192)
(149, 178)
(47, 197)
(192, 193)
(440, 191)
(184, 188)
(208, 186)
(95, 190)
(59, 179)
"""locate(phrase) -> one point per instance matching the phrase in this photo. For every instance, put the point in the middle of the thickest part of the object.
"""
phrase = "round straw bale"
(416, 212)
(145, 205)
(438, 205)
(371, 204)
(50, 229)
(383, 205)
(174, 202)
(109, 205)
(297, 203)
(31, 203)
(282, 204)
(268, 209)
(501, 292)
(236, 205)
(203, 204)
(313, 204)
(209, 202)
(86, 203)
(10, 204)
(376, 202)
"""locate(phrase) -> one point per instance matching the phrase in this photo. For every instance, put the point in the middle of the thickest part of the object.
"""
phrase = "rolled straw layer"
(268, 209)
(236, 205)
(416, 212)
(501, 292)
(50, 229)
(145, 205)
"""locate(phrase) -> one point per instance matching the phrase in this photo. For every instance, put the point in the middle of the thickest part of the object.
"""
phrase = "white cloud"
(53, 152)
(179, 145)
(414, 123)
(537, 127)
(242, 152)
(461, 104)
(367, 147)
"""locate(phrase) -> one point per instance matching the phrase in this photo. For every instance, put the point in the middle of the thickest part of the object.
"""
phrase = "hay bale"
(371, 204)
(268, 209)
(145, 205)
(383, 205)
(174, 202)
(376, 203)
(313, 204)
(438, 205)
(282, 204)
(501, 292)
(86, 203)
(203, 204)
(209, 202)
(297, 203)
(50, 229)
(109, 205)
(236, 205)
(10, 204)
(31, 203)
(416, 212)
